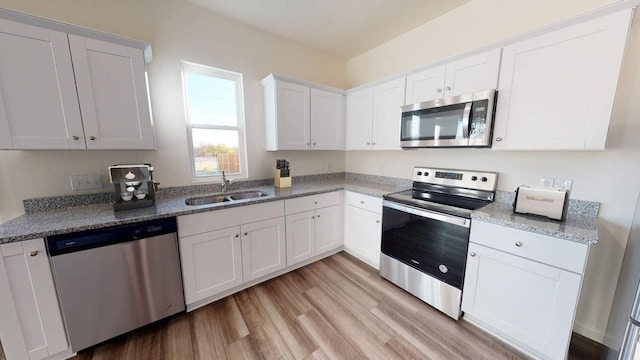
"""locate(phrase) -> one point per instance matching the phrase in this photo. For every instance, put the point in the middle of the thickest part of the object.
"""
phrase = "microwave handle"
(466, 117)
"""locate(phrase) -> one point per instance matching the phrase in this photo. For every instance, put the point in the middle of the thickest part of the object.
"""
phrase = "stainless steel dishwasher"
(114, 280)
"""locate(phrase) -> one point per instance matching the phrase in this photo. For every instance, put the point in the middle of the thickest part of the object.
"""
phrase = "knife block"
(281, 181)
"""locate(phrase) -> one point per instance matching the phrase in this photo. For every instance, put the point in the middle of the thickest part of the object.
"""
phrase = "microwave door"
(446, 126)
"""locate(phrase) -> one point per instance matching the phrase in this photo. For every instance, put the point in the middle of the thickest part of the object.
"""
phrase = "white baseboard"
(593, 334)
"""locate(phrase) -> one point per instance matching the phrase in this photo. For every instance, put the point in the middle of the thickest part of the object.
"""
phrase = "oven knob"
(443, 268)
(474, 178)
(484, 179)
(426, 174)
(419, 173)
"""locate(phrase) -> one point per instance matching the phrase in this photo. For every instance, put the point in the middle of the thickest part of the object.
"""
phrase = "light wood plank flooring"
(336, 308)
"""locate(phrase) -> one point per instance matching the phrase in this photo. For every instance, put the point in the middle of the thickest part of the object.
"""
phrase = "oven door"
(430, 242)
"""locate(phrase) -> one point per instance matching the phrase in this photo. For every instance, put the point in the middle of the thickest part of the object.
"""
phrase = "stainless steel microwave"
(458, 121)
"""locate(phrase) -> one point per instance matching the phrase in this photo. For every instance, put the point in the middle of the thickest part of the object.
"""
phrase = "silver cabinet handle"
(33, 253)
(92, 137)
(518, 244)
(448, 88)
(75, 137)
(498, 139)
(438, 90)
(472, 254)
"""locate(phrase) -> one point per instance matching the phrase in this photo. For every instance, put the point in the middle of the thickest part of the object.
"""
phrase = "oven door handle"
(454, 220)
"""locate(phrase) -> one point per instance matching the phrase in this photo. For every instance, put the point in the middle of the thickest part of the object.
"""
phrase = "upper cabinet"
(464, 76)
(373, 116)
(64, 91)
(302, 116)
(556, 91)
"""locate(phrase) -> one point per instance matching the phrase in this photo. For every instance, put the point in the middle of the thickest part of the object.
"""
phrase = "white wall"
(177, 31)
(611, 177)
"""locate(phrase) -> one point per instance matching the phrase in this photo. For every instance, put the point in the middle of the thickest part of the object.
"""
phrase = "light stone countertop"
(46, 217)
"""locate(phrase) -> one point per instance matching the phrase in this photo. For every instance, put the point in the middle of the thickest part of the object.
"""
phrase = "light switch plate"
(86, 182)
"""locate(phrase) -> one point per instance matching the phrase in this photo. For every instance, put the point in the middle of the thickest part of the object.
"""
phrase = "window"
(215, 121)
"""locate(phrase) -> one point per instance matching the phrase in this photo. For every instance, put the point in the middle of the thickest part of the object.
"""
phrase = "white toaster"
(552, 203)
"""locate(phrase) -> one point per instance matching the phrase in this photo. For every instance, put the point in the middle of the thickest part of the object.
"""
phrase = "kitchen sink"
(205, 200)
(246, 195)
(220, 198)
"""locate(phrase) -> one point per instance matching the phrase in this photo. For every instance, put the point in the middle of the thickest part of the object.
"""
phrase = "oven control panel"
(470, 179)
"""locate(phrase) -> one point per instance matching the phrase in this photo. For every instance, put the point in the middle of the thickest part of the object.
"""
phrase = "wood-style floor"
(336, 308)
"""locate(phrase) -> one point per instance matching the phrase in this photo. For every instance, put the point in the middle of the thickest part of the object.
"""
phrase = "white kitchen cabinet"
(31, 326)
(263, 248)
(112, 90)
(314, 226)
(64, 91)
(221, 250)
(474, 73)
(523, 287)
(373, 117)
(211, 263)
(363, 227)
(302, 117)
(556, 90)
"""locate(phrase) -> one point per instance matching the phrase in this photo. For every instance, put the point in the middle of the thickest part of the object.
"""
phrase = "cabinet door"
(31, 326)
(362, 234)
(329, 232)
(327, 120)
(528, 302)
(263, 248)
(38, 100)
(211, 263)
(300, 237)
(471, 74)
(426, 85)
(292, 116)
(388, 98)
(556, 90)
(359, 119)
(112, 89)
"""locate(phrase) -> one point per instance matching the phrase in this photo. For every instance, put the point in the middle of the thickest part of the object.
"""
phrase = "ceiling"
(344, 28)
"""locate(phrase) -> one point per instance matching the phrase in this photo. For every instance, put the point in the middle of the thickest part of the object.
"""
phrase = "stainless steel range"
(425, 233)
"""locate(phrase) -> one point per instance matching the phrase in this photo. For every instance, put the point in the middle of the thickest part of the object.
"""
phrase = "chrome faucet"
(225, 182)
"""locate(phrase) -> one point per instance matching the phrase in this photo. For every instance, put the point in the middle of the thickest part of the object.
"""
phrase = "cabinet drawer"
(219, 219)
(312, 202)
(564, 254)
(365, 202)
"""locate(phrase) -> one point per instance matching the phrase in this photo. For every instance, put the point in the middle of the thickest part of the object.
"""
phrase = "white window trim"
(242, 143)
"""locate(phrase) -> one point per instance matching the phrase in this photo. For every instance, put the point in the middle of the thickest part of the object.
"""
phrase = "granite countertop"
(579, 226)
(52, 221)
(60, 215)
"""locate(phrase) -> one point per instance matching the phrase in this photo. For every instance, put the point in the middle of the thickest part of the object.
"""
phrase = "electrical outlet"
(546, 182)
(563, 184)
(86, 182)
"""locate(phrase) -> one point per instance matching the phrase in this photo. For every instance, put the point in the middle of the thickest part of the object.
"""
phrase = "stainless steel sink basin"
(246, 195)
(205, 200)
(220, 198)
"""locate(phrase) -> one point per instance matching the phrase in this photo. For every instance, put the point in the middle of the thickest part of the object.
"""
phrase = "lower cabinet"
(314, 226)
(363, 227)
(31, 325)
(263, 248)
(524, 287)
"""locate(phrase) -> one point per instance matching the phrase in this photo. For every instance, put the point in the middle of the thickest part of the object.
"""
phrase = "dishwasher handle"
(89, 239)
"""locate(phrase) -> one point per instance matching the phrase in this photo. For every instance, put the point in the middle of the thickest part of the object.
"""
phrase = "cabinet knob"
(361, 201)
(318, 216)
(245, 234)
(518, 244)
(237, 235)
(377, 221)
(75, 137)
(308, 143)
(33, 253)
(498, 139)
(368, 143)
(448, 88)
(314, 144)
(313, 217)
(472, 254)
(373, 143)
(438, 90)
(92, 137)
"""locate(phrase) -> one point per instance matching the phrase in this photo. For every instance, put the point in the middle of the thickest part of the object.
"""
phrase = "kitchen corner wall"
(177, 30)
(611, 177)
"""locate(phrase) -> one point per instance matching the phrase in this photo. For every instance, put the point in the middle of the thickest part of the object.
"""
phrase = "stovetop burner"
(453, 192)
